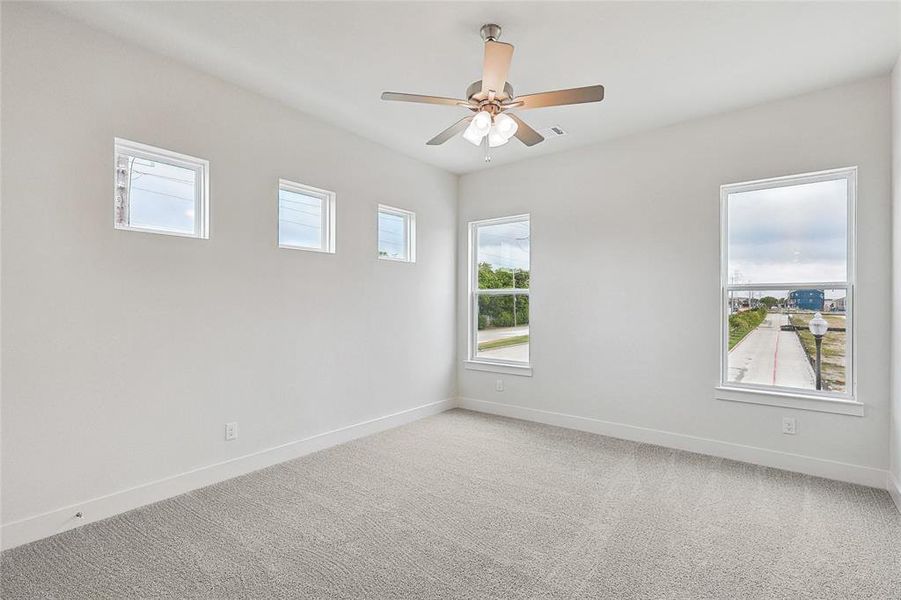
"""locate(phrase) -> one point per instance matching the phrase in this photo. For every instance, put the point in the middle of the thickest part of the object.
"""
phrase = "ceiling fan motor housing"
(474, 94)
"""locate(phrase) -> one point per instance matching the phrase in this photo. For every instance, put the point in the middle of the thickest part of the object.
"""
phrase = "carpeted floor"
(464, 505)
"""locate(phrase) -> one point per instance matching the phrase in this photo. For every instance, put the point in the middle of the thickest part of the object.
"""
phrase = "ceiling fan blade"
(524, 133)
(497, 62)
(449, 132)
(398, 97)
(592, 93)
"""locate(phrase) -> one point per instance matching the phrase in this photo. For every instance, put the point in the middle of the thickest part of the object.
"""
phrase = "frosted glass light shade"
(495, 138)
(505, 126)
(473, 135)
(481, 122)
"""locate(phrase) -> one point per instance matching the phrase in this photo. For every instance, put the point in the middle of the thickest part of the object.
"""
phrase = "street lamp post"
(818, 327)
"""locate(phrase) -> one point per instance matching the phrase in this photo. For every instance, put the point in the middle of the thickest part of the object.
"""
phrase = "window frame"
(201, 168)
(818, 400)
(409, 218)
(327, 220)
(480, 363)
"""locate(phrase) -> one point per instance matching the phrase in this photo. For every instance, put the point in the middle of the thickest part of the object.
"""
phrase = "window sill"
(397, 260)
(305, 249)
(798, 401)
(196, 236)
(507, 369)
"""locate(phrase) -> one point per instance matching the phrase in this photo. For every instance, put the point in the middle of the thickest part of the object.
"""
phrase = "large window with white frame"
(160, 191)
(396, 234)
(500, 263)
(306, 217)
(787, 278)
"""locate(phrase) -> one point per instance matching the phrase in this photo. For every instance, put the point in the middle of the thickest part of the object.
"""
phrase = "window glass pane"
(786, 234)
(770, 342)
(503, 255)
(392, 236)
(503, 328)
(299, 219)
(161, 196)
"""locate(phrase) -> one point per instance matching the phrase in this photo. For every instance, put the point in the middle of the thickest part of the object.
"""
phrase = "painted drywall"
(896, 282)
(625, 273)
(124, 354)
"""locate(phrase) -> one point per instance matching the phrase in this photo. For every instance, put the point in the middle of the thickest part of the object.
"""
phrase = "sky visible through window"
(161, 196)
(502, 321)
(794, 233)
(392, 235)
(505, 245)
(299, 219)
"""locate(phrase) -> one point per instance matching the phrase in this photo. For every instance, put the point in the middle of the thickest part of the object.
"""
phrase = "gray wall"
(896, 280)
(125, 353)
(625, 271)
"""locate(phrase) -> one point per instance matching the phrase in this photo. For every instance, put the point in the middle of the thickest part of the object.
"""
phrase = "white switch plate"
(499, 385)
(789, 425)
(231, 431)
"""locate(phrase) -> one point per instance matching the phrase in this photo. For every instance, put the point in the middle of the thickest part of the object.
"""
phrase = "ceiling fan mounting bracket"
(474, 93)
(490, 32)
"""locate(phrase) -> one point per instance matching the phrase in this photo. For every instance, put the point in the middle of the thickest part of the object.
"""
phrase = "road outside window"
(787, 249)
(500, 290)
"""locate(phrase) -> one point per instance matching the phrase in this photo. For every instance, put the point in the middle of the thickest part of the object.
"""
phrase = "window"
(306, 217)
(787, 254)
(159, 191)
(499, 293)
(397, 234)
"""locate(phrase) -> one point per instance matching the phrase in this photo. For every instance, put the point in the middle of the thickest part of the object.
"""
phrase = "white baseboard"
(894, 489)
(59, 520)
(759, 456)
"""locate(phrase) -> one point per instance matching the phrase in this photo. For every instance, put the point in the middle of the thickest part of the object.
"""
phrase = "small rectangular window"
(397, 234)
(499, 290)
(306, 217)
(160, 191)
(788, 257)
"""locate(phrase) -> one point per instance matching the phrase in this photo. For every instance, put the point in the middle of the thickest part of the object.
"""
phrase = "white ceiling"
(661, 63)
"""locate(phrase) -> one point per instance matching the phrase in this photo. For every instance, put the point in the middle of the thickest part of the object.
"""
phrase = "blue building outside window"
(806, 299)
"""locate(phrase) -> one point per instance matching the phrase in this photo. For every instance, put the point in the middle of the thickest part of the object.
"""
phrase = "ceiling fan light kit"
(491, 97)
(499, 129)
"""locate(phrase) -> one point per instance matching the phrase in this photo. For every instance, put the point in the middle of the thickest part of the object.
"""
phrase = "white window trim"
(822, 401)
(327, 220)
(511, 368)
(409, 218)
(200, 167)
(479, 363)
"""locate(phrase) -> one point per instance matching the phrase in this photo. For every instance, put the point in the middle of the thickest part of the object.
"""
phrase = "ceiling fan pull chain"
(487, 151)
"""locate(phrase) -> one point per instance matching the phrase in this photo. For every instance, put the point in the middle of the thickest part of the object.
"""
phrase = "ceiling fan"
(491, 98)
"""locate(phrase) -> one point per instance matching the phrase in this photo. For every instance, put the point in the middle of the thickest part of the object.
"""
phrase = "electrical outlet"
(789, 425)
(499, 385)
(231, 431)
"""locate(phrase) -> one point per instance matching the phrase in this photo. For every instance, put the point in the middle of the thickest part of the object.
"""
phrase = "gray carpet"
(464, 505)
